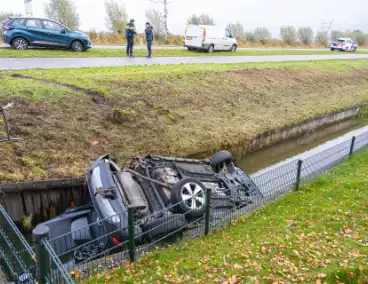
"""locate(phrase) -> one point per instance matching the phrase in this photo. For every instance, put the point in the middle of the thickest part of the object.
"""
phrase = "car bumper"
(204, 46)
(5, 39)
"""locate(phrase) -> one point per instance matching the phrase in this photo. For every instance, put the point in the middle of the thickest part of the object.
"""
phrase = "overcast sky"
(251, 13)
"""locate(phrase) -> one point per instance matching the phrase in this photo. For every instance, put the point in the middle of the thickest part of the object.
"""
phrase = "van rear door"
(194, 36)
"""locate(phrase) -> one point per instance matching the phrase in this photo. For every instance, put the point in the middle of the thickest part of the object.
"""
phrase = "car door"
(55, 34)
(227, 40)
(34, 31)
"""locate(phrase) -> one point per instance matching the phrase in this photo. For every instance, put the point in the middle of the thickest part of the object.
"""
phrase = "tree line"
(65, 12)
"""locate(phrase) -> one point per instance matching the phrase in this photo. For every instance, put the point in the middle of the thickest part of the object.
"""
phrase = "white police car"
(344, 44)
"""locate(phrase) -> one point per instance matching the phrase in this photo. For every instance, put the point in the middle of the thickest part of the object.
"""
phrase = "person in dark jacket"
(149, 38)
(130, 34)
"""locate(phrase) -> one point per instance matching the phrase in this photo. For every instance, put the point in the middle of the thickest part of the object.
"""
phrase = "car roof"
(30, 17)
(343, 38)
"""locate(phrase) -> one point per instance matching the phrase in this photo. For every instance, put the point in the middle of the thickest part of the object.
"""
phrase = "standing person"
(130, 34)
(149, 38)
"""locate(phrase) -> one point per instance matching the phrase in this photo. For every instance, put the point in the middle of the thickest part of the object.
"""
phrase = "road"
(32, 63)
(281, 177)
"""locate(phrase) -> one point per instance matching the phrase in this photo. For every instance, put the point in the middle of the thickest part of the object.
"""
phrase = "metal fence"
(77, 255)
(16, 255)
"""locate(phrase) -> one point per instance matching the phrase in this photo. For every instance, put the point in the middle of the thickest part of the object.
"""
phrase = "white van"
(210, 38)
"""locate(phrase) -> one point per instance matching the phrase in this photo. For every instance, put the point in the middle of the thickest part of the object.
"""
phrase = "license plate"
(189, 38)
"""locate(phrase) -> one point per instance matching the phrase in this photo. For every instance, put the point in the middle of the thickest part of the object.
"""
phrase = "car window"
(228, 34)
(34, 24)
(52, 26)
(19, 21)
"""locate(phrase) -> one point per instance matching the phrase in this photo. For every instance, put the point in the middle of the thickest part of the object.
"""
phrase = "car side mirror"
(63, 31)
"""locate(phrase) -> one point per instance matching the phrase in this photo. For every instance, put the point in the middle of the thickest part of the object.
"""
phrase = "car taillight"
(204, 34)
(8, 28)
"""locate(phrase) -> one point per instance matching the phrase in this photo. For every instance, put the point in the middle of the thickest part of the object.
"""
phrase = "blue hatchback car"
(22, 32)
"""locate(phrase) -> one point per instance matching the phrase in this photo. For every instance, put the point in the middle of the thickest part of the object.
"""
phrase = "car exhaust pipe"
(133, 192)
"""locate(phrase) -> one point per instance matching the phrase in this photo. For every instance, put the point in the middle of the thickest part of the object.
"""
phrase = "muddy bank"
(182, 115)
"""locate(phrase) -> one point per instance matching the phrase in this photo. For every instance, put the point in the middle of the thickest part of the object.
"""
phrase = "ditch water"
(271, 155)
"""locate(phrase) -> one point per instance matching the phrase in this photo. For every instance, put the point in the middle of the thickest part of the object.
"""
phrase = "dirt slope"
(65, 127)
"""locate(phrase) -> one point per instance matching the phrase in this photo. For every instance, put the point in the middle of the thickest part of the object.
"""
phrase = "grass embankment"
(68, 117)
(94, 52)
(316, 235)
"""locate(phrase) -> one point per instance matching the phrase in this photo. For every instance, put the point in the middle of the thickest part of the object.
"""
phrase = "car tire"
(188, 197)
(190, 49)
(332, 49)
(233, 48)
(77, 46)
(220, 157)
(354, 49)
(211, 48)
(20, 43)
(164, 225)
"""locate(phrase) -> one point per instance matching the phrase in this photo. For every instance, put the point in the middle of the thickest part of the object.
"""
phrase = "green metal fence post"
(208, 212)
(352, 147)
(298, 173)
(43, 261)
(131, 244)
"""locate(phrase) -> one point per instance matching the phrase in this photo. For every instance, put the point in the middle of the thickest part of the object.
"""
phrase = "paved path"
(32, 63)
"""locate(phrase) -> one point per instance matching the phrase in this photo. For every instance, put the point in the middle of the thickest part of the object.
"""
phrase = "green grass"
(97, 78)
(11, 53)
(316, 235)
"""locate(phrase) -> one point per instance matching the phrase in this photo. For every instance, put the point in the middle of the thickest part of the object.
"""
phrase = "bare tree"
(236, 30)
(288, 34)
(63, 11)
(305, 34)
(165, 4)
(200, 20)
(261, 34)
(117, 17)
(154, 16)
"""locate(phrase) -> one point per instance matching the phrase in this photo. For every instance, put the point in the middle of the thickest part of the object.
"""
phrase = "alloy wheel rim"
(193, 196)
(78, 46)
(20, 44)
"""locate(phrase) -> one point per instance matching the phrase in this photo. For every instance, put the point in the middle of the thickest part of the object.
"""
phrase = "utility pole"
(28, 7)
(326, 26)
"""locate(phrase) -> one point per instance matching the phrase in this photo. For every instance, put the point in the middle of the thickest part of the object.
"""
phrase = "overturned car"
(176, 186)
(166, 194)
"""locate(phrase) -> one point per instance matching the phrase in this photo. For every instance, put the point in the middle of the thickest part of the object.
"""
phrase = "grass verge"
(316, 235)
(68, 117)
(11, 53)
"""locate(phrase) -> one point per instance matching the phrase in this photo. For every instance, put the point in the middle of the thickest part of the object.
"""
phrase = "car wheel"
(346, 49)
(354, 49)
(332, 49)
(211, 48)
(220, 157)
(189, 197)
(20, 43)
(78, 46)
(233, 48)
(164, 225)
(190, 49)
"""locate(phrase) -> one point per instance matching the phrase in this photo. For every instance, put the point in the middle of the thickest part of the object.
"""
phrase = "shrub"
(322, 38)
(288, 34)
(305, 34)
(261, 34)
